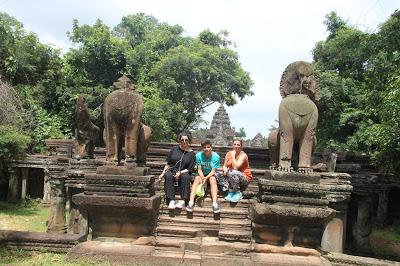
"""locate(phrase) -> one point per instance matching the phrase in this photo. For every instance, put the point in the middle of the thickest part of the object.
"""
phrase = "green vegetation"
(177, 75)
(29, 215)
(27, 258)
(360, 81)
(385, 243)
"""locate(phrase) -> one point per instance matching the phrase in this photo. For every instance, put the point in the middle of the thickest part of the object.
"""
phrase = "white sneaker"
(180, 204)
(171, 205)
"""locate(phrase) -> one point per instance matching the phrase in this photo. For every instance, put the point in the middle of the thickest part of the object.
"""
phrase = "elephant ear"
(291, 80)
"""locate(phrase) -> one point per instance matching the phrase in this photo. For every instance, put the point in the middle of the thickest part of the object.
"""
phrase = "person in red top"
(237, 170)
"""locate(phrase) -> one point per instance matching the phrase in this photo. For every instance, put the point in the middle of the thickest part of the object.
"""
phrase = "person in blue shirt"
(207, 162)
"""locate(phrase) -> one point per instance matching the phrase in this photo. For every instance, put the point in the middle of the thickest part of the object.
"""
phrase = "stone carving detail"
(123, 110)
(87, 133)
(298, 115)
(221, 133)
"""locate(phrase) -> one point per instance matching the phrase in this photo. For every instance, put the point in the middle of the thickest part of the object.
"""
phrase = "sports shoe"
(180, 204)
(236, 196)
(229, 195)
(190, 207)
(216, 208)
(171, 205)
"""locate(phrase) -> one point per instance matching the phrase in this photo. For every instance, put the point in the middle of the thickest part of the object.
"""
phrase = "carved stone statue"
(86, 133)
(298, 115)
(123, 110)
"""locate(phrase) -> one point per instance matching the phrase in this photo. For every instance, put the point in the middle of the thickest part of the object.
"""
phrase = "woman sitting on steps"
(237, 171)
(180, 165)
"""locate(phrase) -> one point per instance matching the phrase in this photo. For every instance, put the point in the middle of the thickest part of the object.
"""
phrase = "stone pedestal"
(119, 202)
(57, 204)
(57, 175)
(301, 209)
(75, 183)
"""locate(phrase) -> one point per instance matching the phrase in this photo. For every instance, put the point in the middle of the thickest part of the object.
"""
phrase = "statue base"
(119, 202)
(299, 209)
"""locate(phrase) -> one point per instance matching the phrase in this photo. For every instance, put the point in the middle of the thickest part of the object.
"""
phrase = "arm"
(190, 166)
(237, 163)
(166, 166)
(215, 159)
(210, 174)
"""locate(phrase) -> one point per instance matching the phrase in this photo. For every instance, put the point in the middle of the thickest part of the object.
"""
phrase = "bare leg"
(214, 189)
(196, 182)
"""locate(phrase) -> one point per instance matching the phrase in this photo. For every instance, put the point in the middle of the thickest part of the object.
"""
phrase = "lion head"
(300, 78)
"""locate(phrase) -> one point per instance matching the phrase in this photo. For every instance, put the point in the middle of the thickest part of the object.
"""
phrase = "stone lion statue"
(123, 110)
(86, 132)
(298, 117)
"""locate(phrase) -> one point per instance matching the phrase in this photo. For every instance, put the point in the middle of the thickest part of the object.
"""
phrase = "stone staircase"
(231, 224)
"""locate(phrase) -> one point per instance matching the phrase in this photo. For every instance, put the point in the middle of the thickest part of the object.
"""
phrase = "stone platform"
(301, 209)
(40, 241)
(119, 202)
(195, 251)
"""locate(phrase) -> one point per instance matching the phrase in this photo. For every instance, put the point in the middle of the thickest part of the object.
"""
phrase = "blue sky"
(268, 35)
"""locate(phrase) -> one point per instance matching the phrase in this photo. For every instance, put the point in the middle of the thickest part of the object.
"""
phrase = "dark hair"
(240, 140)
(187, 134)
(206, 142)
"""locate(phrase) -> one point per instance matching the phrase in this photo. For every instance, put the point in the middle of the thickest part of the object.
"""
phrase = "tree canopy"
(359, 74)
(177, 75)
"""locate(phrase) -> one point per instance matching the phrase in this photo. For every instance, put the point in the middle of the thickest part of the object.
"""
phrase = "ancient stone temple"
(287, 216)
(258, 141)
(221, 133)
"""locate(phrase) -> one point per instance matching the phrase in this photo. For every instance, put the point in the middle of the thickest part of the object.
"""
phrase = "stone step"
(195, 221)
(207, 202)
(235, 235)
(185, 231)
(207, 212)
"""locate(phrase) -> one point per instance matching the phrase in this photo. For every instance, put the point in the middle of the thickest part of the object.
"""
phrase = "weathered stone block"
(289, 215)
(292, 177)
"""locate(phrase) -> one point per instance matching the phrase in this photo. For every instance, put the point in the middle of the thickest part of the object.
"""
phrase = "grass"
(385, 243)
(33, 258)
(29, 215)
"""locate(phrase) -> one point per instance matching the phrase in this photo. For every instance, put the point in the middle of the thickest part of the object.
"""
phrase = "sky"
(268, 35)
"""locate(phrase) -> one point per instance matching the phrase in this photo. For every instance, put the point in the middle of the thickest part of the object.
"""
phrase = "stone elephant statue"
(123, 109)
(298, 116)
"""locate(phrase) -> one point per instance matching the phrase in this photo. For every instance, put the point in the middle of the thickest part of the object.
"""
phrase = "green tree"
(197, 75)
(34, 69)
(241, 133)
(359, 75)
(151, 53)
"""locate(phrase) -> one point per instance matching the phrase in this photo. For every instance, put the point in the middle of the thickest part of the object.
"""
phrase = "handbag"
(200, 192)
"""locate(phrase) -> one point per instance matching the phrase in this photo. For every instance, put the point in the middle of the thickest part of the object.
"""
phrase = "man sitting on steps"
(207, 163)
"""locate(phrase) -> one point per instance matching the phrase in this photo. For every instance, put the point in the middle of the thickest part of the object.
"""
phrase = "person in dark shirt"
(180, 166)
